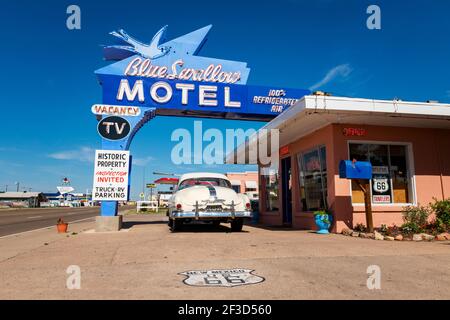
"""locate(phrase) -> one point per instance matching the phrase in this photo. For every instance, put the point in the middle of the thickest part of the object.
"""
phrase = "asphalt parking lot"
(144, 261)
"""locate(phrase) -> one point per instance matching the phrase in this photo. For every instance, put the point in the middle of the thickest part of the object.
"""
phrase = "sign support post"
(367, 204)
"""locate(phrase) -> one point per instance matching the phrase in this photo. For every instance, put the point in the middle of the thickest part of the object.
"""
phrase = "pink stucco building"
(245, 182)
(407, 143)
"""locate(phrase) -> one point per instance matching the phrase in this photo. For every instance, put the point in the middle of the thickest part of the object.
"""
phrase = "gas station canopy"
(171, 181)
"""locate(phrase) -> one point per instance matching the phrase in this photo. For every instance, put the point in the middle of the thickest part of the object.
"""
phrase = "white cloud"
(84, 154)
(342, 70)
(142, 162)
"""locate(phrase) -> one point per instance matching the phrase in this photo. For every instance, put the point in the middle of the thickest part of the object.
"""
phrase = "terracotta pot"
(62, 227)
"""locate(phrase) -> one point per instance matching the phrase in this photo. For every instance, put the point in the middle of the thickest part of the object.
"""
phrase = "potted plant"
(323, 221)
(61, 226)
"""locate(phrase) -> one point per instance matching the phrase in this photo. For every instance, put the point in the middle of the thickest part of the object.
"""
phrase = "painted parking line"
(35, 217)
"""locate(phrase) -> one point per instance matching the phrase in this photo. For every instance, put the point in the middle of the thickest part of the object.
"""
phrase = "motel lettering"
(162, 92)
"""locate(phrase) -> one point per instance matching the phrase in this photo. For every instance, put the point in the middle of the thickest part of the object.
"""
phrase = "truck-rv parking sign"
(111, 175)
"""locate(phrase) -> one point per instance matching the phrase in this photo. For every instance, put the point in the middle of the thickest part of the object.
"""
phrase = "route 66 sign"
(381, 192)
(380, 185)
(221, 278)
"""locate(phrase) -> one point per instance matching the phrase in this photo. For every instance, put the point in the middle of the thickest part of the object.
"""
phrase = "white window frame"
(409, 164)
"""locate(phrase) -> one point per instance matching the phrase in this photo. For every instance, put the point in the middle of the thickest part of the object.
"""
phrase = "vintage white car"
(207, 197)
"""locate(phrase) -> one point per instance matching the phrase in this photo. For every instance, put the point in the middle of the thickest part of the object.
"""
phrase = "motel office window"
(313, 179)
(390, 172)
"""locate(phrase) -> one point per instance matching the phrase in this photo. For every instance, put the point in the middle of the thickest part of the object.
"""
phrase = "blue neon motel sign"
(169, 78)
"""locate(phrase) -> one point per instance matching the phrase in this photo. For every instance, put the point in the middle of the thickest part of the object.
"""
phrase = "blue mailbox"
(355, 170)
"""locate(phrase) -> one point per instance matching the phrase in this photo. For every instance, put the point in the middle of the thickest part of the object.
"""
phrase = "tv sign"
(113, 128)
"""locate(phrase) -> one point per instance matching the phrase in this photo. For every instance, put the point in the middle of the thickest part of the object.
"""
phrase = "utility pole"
(17, 184)
(6, 188)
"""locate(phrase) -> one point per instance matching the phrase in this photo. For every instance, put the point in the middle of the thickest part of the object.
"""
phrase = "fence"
(147, 205)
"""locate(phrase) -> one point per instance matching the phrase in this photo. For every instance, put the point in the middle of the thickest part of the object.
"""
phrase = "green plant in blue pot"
(323, 221)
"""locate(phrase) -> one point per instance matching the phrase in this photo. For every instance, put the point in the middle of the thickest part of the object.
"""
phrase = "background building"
(245, 182)
(22, 199)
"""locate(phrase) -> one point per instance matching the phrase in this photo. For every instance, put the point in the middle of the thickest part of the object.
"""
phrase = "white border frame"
(410, 164)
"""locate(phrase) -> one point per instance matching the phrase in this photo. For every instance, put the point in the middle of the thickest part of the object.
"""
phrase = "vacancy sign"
(111, 175)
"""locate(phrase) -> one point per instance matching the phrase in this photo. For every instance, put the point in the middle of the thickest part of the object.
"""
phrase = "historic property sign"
(111, 175)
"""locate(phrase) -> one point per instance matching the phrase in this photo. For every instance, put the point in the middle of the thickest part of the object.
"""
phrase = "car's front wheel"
(236, 224)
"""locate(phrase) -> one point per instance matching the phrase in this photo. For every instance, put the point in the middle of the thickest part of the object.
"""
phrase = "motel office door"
(286, 190)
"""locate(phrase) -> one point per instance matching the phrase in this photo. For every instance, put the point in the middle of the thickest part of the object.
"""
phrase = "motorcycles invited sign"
(111, 175)
(221, 278)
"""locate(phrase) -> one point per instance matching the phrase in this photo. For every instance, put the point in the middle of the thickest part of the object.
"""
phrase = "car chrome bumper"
(210, 214)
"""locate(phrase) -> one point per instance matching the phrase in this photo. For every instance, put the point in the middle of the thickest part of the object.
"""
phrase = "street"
(20, 220)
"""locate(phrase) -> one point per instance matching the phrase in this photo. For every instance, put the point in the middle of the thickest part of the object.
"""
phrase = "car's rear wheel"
(175, 224)
(236, 224)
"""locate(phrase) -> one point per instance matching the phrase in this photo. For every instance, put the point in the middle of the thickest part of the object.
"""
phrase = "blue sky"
(48, 82)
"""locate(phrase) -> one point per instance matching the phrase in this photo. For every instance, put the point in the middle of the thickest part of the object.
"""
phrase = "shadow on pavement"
(187, 228)
(207, 228)
(274, 227)
(130, 224)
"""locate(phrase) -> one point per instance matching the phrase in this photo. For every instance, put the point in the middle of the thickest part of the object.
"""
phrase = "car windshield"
(204, 182)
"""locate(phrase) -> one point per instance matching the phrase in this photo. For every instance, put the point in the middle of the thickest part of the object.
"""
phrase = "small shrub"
(360, 227)
(383, 228)
(416, 215)
(435, 227)
(411, 227)
(441, 209)
(392, 230)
